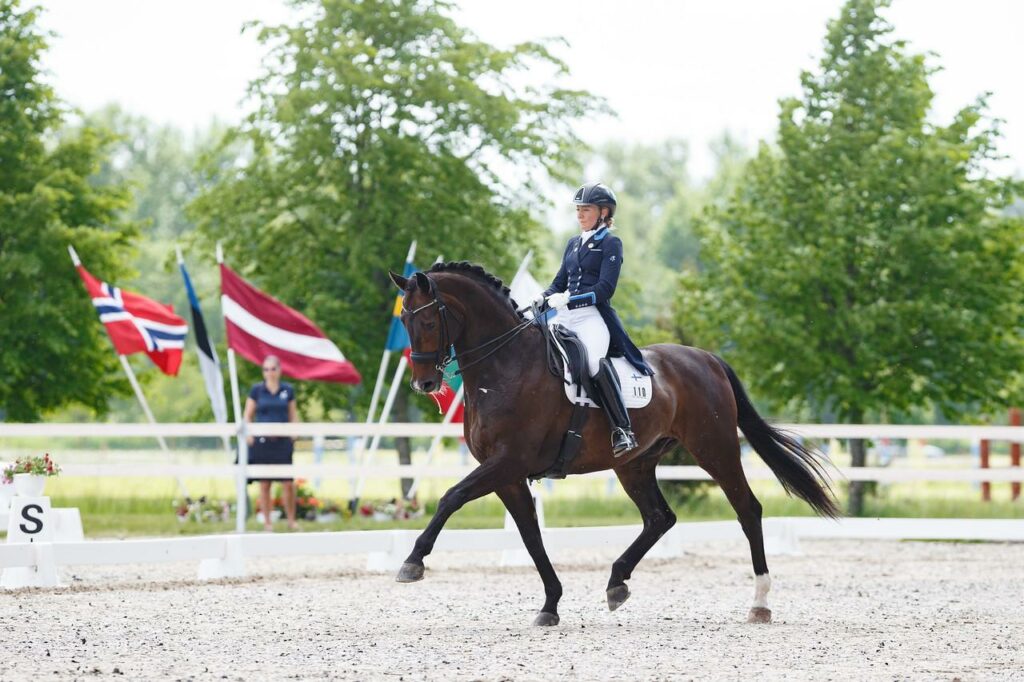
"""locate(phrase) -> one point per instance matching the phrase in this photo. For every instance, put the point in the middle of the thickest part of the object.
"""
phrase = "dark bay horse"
(516, 414)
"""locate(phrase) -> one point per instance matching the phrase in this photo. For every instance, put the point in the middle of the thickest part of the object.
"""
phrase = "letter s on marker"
(36, 521)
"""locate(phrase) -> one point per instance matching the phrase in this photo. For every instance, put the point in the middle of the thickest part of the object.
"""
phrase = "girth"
(576, 352)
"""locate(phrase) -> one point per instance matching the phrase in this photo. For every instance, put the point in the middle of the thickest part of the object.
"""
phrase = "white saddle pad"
(637, 388)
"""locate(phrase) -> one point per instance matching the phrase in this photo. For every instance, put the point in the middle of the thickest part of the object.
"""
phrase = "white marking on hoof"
(762, 584)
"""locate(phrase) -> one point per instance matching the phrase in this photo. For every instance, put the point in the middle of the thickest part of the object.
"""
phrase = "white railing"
(1012, 434)
(221, 556)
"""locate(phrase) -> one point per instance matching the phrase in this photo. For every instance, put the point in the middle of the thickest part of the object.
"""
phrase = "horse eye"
(429, 325)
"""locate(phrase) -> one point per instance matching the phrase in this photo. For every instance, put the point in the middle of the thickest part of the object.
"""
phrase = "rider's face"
(587, 216)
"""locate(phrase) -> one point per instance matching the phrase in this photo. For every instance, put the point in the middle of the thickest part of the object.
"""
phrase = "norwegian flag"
(137, 324)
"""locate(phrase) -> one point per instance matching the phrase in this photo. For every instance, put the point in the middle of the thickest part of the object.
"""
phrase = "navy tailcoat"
(590, 272)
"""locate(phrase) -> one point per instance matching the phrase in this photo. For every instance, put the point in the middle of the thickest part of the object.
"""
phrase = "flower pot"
(29, 485)
(6, 493)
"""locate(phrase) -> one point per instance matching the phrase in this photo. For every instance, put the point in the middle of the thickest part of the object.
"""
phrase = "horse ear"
(423, 282)
(399, 281)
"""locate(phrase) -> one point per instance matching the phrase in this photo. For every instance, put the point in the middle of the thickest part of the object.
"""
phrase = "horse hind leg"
(641, 484)
(723, 463)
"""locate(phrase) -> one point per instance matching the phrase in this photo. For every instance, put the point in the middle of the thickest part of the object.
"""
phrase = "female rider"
(582, 291)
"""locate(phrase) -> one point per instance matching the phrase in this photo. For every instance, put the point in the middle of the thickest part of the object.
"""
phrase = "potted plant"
(30, 474)
(6, 485)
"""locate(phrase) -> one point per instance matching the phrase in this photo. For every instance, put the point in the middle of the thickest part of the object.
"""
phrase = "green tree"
(380, 122)
(659, 205)
(864, 266)
(53, 351)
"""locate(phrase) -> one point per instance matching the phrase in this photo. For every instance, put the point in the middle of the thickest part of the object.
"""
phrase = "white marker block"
(31, 521)
(232, 565)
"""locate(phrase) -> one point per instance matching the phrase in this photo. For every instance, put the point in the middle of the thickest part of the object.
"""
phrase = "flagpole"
(448, 417)
(375, 443)
(225, 439)
(371, 415)
(384, 362)
(149, 413)
(241, 497)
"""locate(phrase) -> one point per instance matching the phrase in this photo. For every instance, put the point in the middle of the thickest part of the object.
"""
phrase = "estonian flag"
(208, 363)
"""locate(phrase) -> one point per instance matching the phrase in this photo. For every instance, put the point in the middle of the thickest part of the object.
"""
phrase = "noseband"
(445, 354)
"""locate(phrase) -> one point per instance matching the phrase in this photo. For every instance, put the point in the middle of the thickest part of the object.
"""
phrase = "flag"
(137, 324)
(259, 325)
(209, 365)
(524, 288)
(398, 338)
(450, 383)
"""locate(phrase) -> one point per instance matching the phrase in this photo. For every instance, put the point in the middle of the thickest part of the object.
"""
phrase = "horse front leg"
(492, 473)
(520, 505)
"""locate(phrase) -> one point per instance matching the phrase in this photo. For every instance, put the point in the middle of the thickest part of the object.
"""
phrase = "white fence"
(222, 556)
(1013, 434)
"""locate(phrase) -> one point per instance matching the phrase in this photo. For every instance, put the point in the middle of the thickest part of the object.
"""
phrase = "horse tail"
(799, 469)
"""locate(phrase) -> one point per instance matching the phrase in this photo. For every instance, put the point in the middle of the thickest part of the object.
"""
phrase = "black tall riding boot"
(606, 381)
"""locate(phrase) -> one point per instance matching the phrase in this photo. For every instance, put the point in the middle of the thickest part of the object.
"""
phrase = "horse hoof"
(759, 614)
(410, 573)
(617, 596)
(546, 619)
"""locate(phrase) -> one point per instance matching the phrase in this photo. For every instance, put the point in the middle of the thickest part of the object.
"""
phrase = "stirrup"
(623, 441)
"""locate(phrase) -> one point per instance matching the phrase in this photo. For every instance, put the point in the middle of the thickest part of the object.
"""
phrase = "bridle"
(445, 354)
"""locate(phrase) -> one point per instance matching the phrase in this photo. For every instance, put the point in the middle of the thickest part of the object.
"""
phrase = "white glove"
(536, 301)
(558, 300)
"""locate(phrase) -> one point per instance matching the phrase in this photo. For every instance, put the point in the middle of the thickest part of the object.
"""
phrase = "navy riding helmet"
(597, 194)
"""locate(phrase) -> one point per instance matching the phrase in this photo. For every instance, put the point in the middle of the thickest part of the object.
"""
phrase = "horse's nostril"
(428, 386)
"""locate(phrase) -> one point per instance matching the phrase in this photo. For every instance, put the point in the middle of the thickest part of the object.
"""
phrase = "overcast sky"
(670, 68)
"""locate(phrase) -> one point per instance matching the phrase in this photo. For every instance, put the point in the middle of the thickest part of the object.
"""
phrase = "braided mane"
(477, 273)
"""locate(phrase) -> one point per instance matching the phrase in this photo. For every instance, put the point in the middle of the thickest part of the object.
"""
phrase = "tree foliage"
(379, 122)
(53, 351)
(659, 204)
(864, 265)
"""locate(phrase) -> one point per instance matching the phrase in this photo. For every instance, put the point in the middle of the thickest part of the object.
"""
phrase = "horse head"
(428, 320)
(459, 307)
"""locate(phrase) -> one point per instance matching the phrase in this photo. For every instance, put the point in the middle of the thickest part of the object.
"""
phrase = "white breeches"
(590, 327)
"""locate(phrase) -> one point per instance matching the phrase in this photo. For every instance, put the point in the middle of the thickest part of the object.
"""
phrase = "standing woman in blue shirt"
(273, 401)
(582, 291)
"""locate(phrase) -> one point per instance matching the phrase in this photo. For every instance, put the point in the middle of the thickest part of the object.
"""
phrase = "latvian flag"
(137, 324)
(259, 325)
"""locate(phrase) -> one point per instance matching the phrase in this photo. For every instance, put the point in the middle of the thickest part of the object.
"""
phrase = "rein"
(441, 361)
